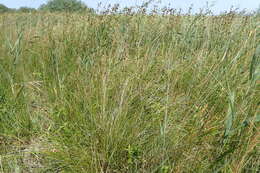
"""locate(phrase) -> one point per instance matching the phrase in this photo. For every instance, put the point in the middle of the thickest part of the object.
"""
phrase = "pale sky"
(218, 5)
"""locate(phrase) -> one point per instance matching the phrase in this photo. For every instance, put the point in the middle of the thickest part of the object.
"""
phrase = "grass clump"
(129, 93)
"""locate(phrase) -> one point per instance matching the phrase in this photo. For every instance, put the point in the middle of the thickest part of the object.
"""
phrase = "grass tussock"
(129, 93)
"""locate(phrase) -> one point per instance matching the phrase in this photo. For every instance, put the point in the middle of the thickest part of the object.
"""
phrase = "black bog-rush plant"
(126, 91)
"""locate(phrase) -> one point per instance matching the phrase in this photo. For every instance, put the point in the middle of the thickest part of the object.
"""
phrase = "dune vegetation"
(129, 93)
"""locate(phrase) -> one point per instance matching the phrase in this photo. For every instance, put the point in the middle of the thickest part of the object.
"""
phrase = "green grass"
(117, 93)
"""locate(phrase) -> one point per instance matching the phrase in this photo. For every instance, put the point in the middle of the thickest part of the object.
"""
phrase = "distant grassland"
(118, 93)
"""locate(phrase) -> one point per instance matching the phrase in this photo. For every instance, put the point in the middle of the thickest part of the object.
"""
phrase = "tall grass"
(129, 93)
